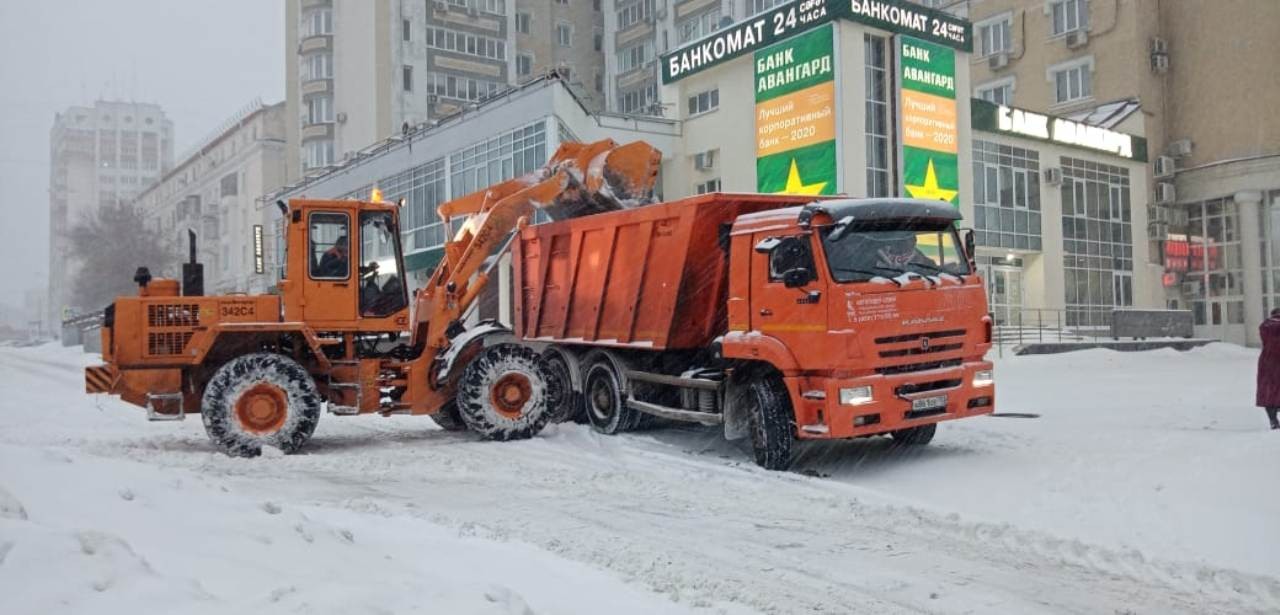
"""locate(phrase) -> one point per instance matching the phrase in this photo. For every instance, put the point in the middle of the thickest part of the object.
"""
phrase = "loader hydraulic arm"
(580, 179)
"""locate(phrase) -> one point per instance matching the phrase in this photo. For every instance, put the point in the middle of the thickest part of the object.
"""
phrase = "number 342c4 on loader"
(259, 368)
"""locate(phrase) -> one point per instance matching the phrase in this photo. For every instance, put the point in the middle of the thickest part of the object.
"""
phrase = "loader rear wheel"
(449, 419)
(603, 399)
(257, 400)
(772, 421)
(507, 393)
(915, 436)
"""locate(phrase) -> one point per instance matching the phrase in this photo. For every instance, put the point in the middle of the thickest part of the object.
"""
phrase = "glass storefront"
(1097, 237)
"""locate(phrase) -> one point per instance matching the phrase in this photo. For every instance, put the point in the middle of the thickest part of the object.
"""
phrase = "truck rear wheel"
(772, 421)
(604, 402)
(260, 399)
(507, 393)
(570, 408)
(915, 436)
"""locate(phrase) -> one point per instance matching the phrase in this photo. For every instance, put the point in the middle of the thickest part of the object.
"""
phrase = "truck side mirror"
(969, 246)
(795, 278)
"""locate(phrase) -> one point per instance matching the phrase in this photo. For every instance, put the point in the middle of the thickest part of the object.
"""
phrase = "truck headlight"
(855, 396)
(983, 378)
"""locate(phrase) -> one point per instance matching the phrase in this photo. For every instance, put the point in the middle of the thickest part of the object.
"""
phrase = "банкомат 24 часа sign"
(794, 17)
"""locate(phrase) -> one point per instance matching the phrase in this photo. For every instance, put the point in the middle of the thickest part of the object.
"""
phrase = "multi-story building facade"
(359, 71)
(99, 155)
(216, 190)
(1186, 76)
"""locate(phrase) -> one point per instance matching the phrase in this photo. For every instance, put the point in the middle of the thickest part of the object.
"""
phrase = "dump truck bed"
(652, 277)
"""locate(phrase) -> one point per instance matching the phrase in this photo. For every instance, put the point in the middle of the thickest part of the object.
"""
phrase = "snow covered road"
(1147, 485)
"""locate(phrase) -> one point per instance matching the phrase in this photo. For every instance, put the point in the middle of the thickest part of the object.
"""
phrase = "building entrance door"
(1004, 293)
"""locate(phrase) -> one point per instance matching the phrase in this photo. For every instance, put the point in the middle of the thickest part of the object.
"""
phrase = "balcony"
(318, 130)
(308, 4)
(318, 42)
(317, 86)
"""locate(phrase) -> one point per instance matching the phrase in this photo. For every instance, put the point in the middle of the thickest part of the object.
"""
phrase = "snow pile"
(1147, 484)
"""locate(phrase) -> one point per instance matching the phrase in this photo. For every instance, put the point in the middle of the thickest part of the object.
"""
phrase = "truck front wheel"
(507, 393)
(260, 399)
(772, 421)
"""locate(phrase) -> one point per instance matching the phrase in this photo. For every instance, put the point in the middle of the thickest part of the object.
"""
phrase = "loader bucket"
(604, 177)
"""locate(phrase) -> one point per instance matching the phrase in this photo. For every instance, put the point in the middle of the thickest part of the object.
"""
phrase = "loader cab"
(344, 267)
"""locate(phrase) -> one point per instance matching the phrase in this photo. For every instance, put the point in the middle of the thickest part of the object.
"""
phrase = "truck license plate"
(929, 403)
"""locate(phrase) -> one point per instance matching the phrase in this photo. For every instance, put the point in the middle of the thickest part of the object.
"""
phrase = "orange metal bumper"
(820, 415)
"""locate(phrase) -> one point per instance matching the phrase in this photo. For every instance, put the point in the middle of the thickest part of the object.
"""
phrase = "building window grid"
(703, 102)
(564, 34)
(1072, 83)
(759, 6)
(1069, 16)
(639, 101)
(711, 185)
(486, 47)
(632, 13)
(317, 22)
(462, 88)
(999, 93)
(698, 26)
(1006, 196)
(635, 56)
(1097, 236)
(876, 74)
(1213, 227)
(995, 36)
(523, 21)
(497, 159)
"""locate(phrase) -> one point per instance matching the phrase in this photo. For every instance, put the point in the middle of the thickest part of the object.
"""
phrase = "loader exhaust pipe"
(192, 271)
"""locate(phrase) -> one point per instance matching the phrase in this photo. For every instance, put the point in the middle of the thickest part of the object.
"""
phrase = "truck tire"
(772, 422)
(260, 399)
(570, 408)
(603, 400)
(449, 419)
(915, 436)
(507, 393)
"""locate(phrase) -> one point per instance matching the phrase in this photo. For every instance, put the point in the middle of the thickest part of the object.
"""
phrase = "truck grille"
(168, 343)
(893, 370)
(173, 315)
(915, 344)
(925, 387)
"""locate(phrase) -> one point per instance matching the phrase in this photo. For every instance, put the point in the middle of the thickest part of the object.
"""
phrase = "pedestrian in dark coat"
(1269, 367)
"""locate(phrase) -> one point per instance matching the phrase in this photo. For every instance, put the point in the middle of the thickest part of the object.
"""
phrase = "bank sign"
(792, 18)
(795, 93)
(930, 136)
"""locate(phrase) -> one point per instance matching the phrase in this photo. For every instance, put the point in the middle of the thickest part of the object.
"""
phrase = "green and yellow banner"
(930, 140)
(796, 115)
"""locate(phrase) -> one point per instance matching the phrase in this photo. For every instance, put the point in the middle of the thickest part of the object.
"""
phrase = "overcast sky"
(200, 61)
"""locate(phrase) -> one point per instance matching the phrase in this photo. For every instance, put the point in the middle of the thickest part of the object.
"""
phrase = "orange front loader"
(342, 331)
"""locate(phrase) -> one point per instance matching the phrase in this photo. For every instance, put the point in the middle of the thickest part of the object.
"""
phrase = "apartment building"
(1191, 77)
(99, 155)
(216, 190)
(359, 71)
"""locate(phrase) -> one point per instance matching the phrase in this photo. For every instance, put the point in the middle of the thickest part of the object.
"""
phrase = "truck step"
(675, 414)
(343, 410)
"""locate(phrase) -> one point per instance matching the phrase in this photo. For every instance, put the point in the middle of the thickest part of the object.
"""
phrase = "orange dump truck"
(777, 317)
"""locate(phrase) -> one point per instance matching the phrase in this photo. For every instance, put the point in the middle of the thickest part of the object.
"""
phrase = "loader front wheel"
(507, 393)
(449, 419)
(260, 399)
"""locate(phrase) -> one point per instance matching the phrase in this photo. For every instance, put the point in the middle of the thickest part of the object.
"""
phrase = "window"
(319, 110)
(524, 64)
(789, 253)
(597, 40)
(994, 36)
(632, 13)
(1097, 237)
(318, 154)
(317, 66)
(469, 44)
(1073, 81)
(462, 88)
(875, 72)
(498, 159)
(640, 101)
(495, 7)
(406, 77)
(405, 30)
(522, 22)
(317, 22)
(764, 5)
(704, 102)
(423, 189)
(564, 34)
(229, 185)
(1006, 196)
(697, 26)
(382, 289)
(634, 56)
(711, 185)
(330, 246)
(562, 2)
(998, 92)
(1069, 15)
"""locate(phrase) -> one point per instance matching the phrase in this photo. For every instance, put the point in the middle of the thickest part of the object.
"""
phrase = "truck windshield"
(860, 254)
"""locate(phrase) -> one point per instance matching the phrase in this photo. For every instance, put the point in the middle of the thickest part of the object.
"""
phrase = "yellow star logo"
(795, 186)
(930, 190)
